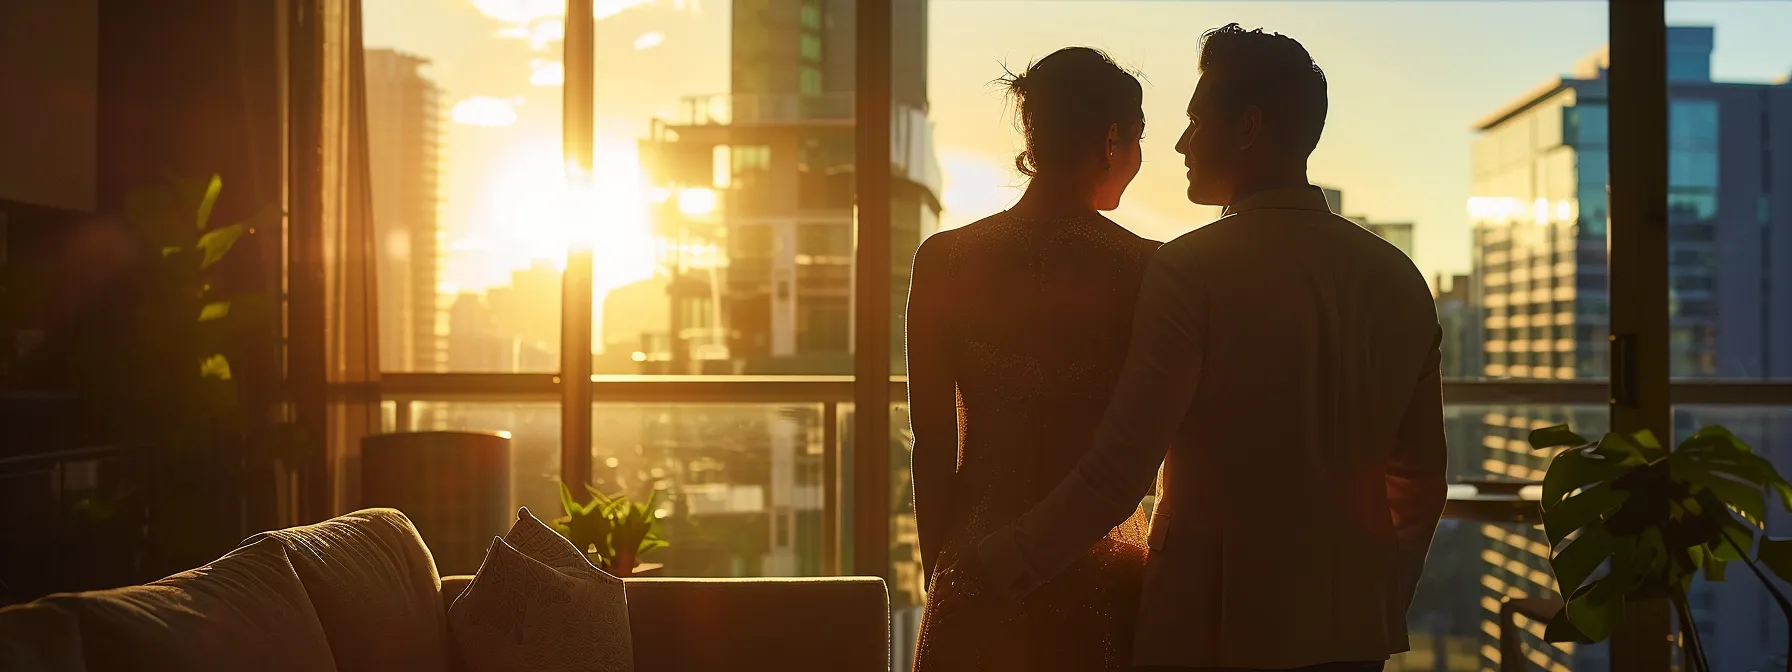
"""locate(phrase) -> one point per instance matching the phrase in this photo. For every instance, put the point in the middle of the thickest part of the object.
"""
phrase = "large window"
(1730, 266)
(728, 298)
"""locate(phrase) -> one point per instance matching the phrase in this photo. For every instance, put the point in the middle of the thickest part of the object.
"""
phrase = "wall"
(48, 82)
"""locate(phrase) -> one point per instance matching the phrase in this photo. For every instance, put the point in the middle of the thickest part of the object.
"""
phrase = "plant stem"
(1689, 631)
(1778, 597)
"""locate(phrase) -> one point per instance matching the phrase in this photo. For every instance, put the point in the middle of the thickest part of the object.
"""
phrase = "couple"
(1279, 365)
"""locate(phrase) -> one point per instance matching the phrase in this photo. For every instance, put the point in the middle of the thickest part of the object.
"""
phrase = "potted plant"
(611, 530)
(1654, 518)
(157, 353)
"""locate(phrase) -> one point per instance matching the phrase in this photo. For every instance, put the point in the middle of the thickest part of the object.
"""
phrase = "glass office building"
(1538, 208)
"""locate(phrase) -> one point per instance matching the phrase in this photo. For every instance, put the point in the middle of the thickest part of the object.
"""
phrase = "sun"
(541, 217)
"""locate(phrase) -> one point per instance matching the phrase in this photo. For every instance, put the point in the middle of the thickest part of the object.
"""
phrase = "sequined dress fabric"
(1040, 315)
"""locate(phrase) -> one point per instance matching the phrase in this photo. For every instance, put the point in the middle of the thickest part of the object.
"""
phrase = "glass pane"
(1740, 624)
(534, 443)
(1539, 228)
(1473, 569)
(739, 485)
(1490, 443)
(464, 127)
(1730, 267)
(907, 580)
(1490, 176)
(746, 174)
(1475, 565)
(1729, 207)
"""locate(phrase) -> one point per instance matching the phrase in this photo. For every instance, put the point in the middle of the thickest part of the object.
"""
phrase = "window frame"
(1640, 394)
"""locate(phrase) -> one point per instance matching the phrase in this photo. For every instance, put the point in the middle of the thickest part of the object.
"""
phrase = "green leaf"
(1738, 463)
(1694, 558)
(1716, 435)
(215, 366)
(1777, 555)
(1577, 468)
(208, 201)
(1596, 609)
(1581, 557)
(1715, 569)
(1651, 448)
(566, 504)
(1621, 446)
(1652, 562)
(216, 310)
(1732, 540)
(1747, 499)
(217, 243)
(1581, 510)
(1561, 629)
(651, 544)
(1555, 437)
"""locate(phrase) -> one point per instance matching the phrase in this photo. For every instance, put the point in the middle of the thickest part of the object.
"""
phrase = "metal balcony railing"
(761, 109)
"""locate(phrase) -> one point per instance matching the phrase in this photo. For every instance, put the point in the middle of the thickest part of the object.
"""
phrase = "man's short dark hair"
(1273, 72)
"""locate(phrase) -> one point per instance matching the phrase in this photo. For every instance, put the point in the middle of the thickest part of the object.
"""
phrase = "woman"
(1017, 329)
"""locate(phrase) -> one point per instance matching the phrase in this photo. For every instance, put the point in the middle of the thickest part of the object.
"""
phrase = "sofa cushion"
(375, 589)
(819, 624)
(537, 605)
(836, 624)
(246, 610)
(40, 636)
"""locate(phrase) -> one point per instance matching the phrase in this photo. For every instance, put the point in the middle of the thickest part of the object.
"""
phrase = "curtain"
(334, 339)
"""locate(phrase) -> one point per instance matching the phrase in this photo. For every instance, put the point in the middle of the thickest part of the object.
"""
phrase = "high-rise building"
(764, 176)
(529, 309)
(1538, 208)
(511, 328)
(756, 212)
(1459, 316)
(1400, 234)
(403, 157)
(636, 320)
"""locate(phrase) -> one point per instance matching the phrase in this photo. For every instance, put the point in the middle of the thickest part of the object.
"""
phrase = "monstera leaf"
(1652, 519)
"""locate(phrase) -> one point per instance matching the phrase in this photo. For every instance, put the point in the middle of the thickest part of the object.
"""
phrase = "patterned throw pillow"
(537, 605)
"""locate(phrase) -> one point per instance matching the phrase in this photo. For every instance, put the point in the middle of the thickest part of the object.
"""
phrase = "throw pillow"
(537, 605)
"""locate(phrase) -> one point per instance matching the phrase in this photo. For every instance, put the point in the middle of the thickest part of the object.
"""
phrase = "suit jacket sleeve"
(1156, 387)
(1417, 477)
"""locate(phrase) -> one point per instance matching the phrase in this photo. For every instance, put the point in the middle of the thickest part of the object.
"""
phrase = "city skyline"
(651, 54)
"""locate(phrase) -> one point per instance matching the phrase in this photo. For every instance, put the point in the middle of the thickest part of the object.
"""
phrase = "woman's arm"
(932, 398)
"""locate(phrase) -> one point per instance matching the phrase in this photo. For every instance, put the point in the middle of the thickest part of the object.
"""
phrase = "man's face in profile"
(1207, 147)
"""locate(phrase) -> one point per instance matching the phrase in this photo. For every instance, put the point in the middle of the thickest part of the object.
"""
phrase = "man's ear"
(1250, 126)
(1113, 139)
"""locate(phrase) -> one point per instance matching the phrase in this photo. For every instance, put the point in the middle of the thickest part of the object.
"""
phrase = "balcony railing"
(1483, 565)
(838, 389)
(763, 109)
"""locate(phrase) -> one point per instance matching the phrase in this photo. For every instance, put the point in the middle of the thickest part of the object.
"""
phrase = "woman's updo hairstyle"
(1065, 103)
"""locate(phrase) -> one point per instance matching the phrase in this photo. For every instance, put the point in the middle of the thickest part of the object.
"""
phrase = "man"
(1286, 360)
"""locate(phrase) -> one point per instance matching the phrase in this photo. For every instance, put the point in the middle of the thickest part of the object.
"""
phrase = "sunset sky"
(1406, 81)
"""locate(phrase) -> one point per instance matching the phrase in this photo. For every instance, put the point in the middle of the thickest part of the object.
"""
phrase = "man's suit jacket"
(1287, 362)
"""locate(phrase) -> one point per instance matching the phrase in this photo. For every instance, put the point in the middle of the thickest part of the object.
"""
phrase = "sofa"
(361, 592)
